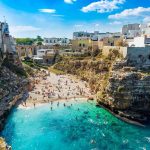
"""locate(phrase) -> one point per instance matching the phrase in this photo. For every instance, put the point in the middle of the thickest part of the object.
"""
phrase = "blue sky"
(59, 18)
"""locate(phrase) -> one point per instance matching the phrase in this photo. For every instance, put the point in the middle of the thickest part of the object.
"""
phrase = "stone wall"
(135, 56)
(138, 56)
(107, 49)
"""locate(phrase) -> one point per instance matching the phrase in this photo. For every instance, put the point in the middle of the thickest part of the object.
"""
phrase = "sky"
(60, 18)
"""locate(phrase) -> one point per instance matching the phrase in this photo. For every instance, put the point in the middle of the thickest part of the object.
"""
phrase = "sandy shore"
(51, 87)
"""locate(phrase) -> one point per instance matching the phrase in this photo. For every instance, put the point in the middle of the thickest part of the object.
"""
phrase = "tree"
(24, 41)
(39, 39)
(39, 43)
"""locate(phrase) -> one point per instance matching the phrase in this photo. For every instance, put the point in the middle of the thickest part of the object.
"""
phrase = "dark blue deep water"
(67, 128)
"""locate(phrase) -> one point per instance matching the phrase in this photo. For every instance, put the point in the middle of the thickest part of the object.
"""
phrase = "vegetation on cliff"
(93, 68)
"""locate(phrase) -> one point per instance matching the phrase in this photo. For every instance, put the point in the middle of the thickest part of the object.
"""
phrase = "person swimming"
(57, 104)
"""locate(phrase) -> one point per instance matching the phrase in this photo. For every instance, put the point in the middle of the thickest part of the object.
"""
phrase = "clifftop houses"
(7, 43)
(134, 38)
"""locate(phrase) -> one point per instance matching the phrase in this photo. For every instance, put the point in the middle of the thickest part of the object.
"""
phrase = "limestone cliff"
(122, 89)
(3, 145)
(128, 93)
(13, 84)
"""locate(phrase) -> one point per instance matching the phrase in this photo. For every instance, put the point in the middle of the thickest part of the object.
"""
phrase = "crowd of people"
(50, 87)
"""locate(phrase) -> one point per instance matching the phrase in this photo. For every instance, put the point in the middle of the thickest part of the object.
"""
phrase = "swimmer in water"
(57, 104)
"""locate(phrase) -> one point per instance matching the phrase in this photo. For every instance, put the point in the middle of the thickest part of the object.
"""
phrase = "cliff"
(3, 145)
(128, 93)
(12, 88)
(120, 88)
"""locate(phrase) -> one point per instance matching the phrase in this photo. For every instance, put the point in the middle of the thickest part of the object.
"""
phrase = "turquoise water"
(67, 128)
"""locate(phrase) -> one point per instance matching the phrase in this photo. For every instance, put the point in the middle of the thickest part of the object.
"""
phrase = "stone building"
(141, 41)
(84, 45)
(45, 56)
(56, 41)
(4, 32)
(131, 30)
(135, 56)
(7, 43)
(138, 56)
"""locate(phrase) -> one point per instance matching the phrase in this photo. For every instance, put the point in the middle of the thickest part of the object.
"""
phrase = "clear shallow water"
(89, 128)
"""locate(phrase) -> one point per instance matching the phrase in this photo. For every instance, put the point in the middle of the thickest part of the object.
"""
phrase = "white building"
(82, 35)
(131, 30)
(95, 36)
(4, 34)
(145, 29)
(44, 56)
(56, 41)
(44, 52)
(142, 41)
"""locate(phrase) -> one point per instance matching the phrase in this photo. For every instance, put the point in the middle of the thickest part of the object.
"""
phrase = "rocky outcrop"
(3, 145)
(128, 93)
(12, 88)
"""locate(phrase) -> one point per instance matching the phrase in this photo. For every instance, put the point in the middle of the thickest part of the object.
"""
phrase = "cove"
(82, 126)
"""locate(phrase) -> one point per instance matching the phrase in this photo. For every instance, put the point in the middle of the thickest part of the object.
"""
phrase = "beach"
(48, 87)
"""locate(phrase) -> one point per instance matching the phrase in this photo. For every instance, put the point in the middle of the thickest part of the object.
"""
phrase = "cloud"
(146, 19)
(103, 6)
(97, 25)
(16, 29)
(51, 11)
(69, 1)
(55, 15)
(136, 12)
(115, 23)
(78, 25)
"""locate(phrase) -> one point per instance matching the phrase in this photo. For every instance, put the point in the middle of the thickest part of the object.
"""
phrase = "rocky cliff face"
(123, 89)
(128, 93)
(3, 145)
(94, 72)
(12, 88)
